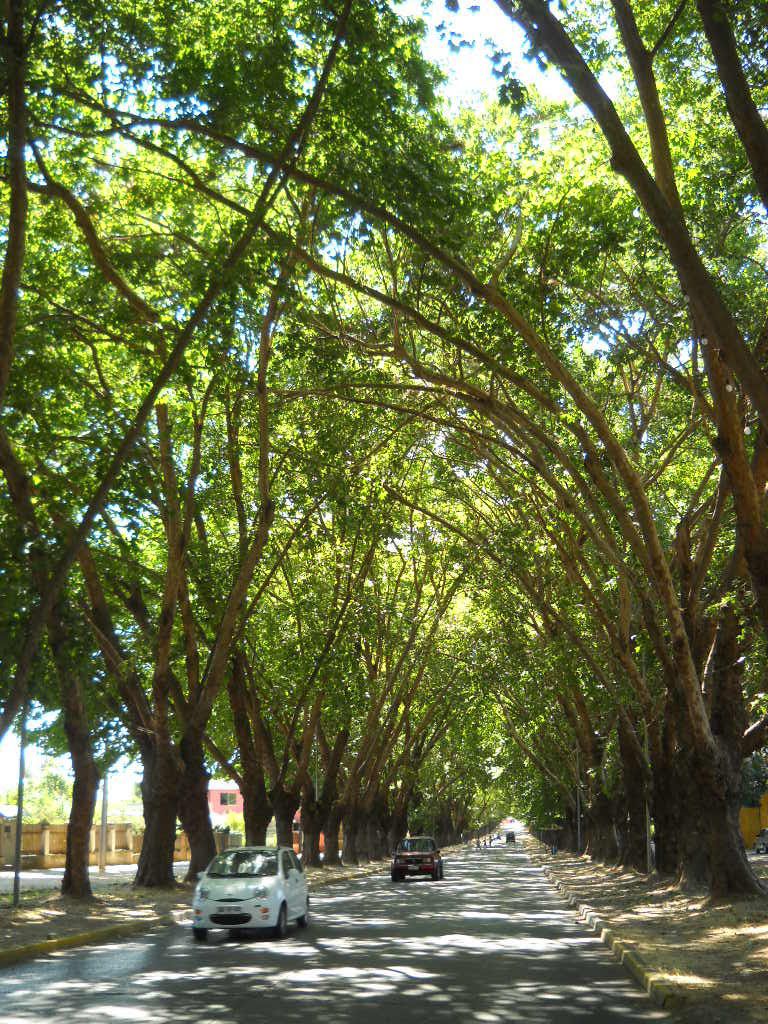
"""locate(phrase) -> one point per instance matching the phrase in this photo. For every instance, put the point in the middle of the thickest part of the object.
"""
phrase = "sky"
(470, 71)
(469, 80)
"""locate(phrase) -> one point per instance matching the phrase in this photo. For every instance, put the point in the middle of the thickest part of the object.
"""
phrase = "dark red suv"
(416, 857)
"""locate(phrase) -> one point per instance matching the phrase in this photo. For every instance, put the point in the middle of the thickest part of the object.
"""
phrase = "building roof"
(223, 785)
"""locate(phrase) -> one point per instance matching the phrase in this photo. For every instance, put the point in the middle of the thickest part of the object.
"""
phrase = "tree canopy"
(395, 461)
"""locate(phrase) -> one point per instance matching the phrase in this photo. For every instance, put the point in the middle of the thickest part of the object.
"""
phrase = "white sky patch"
(469, 69)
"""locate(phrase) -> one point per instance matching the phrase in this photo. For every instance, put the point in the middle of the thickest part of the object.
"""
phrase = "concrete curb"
(663, 992)
(117, 931)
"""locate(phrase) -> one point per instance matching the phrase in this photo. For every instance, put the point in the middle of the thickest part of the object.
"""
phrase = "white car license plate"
(413, 868)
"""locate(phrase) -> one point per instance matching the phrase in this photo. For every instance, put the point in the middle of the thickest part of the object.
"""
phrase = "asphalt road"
(490, 943)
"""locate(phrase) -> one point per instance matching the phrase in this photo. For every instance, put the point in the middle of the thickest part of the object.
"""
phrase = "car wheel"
(303, 921)
(200, 934)
(394, 875)
(281, 928)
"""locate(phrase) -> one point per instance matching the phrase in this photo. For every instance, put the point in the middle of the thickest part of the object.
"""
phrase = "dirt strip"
(708, 961)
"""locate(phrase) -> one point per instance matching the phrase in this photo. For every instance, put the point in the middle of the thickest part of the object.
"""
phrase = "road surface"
(490, 943)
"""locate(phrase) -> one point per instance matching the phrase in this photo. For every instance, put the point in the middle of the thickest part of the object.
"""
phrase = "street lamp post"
(648, 847)
(103, 830)
(578, 803)
(19, 809)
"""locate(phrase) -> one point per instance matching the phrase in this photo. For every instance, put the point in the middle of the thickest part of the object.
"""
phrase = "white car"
(251, 887)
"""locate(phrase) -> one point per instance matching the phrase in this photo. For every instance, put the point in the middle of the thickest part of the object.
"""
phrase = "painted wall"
(752, 819)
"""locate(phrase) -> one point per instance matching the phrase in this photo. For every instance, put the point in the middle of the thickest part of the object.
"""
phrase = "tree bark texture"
(742, 108)
(631, 827)
(194, 812)
(601, 831)
(76, 881)
(257, 810)
(711, 850)
(160, 796)
(285, 803)
(311, 826)
(331, 828)
(351, 844)
(398, 826)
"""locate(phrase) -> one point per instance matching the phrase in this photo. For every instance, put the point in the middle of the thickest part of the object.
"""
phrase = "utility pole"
(103, 830)
(19, 808)
(317, 794)
(648, 847)
(578, 803)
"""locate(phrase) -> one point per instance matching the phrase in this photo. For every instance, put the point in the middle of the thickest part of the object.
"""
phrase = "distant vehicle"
(510, 837)
(761, 843)
(252, 887)
(417, 856)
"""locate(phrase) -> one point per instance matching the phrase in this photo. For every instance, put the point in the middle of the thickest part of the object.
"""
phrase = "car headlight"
(203, 892)
(258, 892)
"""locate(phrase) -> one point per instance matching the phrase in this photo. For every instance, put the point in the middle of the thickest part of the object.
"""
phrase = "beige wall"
(752, 819)
(44, 846)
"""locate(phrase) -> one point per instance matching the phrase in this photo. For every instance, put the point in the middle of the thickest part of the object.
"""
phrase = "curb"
(662, 992)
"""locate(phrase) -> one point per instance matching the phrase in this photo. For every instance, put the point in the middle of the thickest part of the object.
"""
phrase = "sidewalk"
(708, 963)
(46, 921)
(41, 879)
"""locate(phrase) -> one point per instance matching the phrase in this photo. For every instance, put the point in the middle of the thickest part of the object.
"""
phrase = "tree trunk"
(666, 820)
(159, 793)
(375, 838)
(331, 826)
(568, 836)
(398, 826)
(601, 833)
(76, 881)
(711, 851)
(311, 825)
(193, 805)
(257, 810)
(351, 848)
(632, 827)
(285, 803)
(712, 854)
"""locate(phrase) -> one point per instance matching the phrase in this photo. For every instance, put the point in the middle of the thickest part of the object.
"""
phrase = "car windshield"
(243, 863)
(417, 845)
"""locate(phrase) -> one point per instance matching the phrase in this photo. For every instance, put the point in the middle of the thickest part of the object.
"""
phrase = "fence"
(45, 846)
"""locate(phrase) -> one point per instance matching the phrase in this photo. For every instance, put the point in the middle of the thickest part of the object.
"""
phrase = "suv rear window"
(417, 845)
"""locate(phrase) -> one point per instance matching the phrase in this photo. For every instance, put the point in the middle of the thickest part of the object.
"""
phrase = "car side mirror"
(200, 875)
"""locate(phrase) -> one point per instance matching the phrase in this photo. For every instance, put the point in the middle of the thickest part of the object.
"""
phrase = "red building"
(223, 798)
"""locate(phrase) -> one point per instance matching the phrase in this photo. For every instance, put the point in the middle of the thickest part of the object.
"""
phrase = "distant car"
(252, 887)
(415, 857)
(510, 837)
(761, 843)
